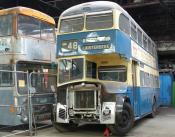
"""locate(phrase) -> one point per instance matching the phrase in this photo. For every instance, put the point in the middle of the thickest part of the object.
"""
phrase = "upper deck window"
(47, 31)
(33, 27)
(145, 42)
(100, 21)
(149, 46)
(28, 26)
(133, 31)
(124, 24)
(71, 25)
(139, 34)
(5, 25)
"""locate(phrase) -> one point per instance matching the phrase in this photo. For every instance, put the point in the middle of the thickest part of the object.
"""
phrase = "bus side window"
(124, 24)
(91, 69)
(47, 31)
(6, 77)
(113, 73)
(155, 52)
(142, 80)
(139, 35)
(145, 42)
(152, 46)
(28, 26)
(6, 25)
(133, 31)
(149, 46)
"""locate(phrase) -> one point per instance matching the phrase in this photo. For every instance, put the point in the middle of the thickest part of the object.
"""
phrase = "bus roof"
(29, 12)
(98, 6)
(95, 6)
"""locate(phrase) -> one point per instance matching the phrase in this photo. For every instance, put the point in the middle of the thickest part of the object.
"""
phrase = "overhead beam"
(166, 46)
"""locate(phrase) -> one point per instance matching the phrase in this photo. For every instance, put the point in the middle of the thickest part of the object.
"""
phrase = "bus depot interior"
(21, 30)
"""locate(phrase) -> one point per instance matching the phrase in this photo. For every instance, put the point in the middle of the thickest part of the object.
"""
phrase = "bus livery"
(107, 69)
(27, 57)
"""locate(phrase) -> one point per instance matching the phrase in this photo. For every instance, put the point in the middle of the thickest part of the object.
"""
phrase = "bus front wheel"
(124, 122)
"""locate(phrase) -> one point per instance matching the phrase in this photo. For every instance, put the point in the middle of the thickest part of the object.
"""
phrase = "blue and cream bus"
(107, 69)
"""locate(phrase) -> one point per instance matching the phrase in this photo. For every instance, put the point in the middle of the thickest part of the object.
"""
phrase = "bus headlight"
(71, 112)
(24, 118)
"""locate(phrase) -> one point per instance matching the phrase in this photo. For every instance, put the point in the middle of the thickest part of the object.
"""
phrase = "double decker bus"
(27, 57)
(107, 69)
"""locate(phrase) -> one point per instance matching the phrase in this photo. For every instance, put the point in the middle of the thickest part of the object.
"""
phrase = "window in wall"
(133, 31)
(124, 24)
(139, 35)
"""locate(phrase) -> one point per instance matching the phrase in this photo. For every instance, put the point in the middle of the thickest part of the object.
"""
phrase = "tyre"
(62, 127)
(124, 121)
(154, 109)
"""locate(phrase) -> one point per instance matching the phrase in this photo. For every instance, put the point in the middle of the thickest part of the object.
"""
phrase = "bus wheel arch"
(154, 107)
(124, 120)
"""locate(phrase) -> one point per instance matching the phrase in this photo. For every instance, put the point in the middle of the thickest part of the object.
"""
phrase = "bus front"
(27, 62)
(90, 73)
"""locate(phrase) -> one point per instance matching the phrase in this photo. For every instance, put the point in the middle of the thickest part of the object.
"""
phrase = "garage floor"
(163, 125)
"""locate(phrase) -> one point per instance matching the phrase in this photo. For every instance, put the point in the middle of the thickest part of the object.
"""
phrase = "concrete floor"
(163, 125)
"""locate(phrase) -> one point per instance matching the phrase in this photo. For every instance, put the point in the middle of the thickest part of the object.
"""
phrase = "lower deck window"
(41, 80)
(70, 69)
(91, 69)
(114, 73)
(6, 76)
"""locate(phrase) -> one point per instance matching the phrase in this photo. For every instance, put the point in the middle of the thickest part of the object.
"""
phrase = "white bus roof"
(94, 6)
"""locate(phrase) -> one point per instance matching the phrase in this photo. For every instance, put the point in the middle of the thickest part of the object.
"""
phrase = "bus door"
(135, 88)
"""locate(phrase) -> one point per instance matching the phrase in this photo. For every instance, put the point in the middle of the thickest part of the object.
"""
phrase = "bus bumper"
(104, 115)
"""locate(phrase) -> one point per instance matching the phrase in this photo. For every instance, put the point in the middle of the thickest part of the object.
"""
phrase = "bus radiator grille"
(84, 100)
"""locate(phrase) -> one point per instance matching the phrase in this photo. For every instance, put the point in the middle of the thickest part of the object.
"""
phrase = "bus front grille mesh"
(84, 100)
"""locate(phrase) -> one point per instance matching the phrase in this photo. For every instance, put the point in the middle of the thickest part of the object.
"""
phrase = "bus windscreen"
(71, 24)
(99, 21)
(5, 25)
